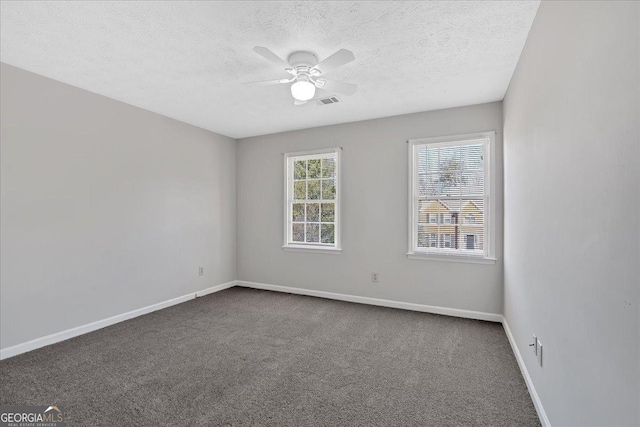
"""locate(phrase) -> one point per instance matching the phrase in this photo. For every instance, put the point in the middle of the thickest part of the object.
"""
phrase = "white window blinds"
(450, 196)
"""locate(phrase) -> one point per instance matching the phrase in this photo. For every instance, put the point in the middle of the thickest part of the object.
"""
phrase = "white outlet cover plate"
(539, 354)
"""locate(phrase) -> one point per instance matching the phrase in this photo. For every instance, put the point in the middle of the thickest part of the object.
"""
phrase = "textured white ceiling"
(187, 60)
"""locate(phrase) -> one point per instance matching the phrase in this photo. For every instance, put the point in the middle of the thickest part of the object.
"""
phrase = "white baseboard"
(492, 317)
(90, 327)
(527, 378)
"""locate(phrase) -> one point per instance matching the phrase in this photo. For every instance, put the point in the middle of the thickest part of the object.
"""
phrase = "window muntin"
(449, 196)
(312, 199)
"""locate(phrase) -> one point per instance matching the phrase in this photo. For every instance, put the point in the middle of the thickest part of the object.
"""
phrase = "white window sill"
(473, 259)
(312, 249)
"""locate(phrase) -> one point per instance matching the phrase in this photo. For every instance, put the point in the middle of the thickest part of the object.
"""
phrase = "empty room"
(320, 213)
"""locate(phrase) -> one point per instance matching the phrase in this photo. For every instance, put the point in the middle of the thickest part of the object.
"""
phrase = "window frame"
(289, 245)
(489, 227)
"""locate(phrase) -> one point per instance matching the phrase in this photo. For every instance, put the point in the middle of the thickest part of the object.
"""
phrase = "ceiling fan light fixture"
(307, 73)
(303, 90)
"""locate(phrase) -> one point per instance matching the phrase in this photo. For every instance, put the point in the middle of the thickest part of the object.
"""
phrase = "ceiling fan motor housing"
(302, 59)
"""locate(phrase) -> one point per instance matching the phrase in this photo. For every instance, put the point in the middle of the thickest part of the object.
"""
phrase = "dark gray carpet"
(250, 357)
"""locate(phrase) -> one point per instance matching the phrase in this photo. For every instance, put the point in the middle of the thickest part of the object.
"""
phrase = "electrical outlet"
(374, 277)
(201, 271)
(539, 354)
(534, 345)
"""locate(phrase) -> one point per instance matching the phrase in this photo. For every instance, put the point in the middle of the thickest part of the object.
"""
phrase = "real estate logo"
(31, 416)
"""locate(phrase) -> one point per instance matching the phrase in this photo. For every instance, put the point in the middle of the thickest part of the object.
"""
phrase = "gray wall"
(572, 210)
(106, 208)
(374, 214)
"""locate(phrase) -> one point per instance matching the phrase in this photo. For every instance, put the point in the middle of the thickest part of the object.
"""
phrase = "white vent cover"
(329, 100)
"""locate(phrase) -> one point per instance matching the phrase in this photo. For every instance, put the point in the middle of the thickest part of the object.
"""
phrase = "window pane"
(297, 212)
(472, 223)
(447, 240)
(449, 160)
(472, 183)
(300, 190)
(328, 212)
(425, 207)
(424, 184)
(434, 212)
(427, 236)
(449, 168)
(427, 160)
(450, 184)
(423, 236)
(421, 155)
(300, 169)
(328, 168)
(328, 233)
(297, 234)
(471, 157)
(429, 185)
(313, 212)
(449, 212)
(328, 189)
(314, 168)
(314, 189)
(313, 231)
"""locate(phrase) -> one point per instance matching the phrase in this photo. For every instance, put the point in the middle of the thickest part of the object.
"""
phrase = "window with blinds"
(449, 196)
(312, 200)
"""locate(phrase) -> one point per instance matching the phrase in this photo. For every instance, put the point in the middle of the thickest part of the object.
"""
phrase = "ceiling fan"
(307, 73)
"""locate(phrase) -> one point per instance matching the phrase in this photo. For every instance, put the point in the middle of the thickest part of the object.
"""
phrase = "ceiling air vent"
(329, 100)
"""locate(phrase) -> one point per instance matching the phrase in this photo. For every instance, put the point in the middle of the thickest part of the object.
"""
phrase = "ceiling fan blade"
(270, 56)
(322, 93)
(339, 87)
(338, 59)
(269, 82)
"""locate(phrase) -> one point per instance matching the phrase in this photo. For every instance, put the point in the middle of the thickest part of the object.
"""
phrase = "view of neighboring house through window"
(450, 200)
(312, 200)
(447, 240)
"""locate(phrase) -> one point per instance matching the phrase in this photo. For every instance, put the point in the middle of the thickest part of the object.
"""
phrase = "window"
(312, 200)
(450, 198)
